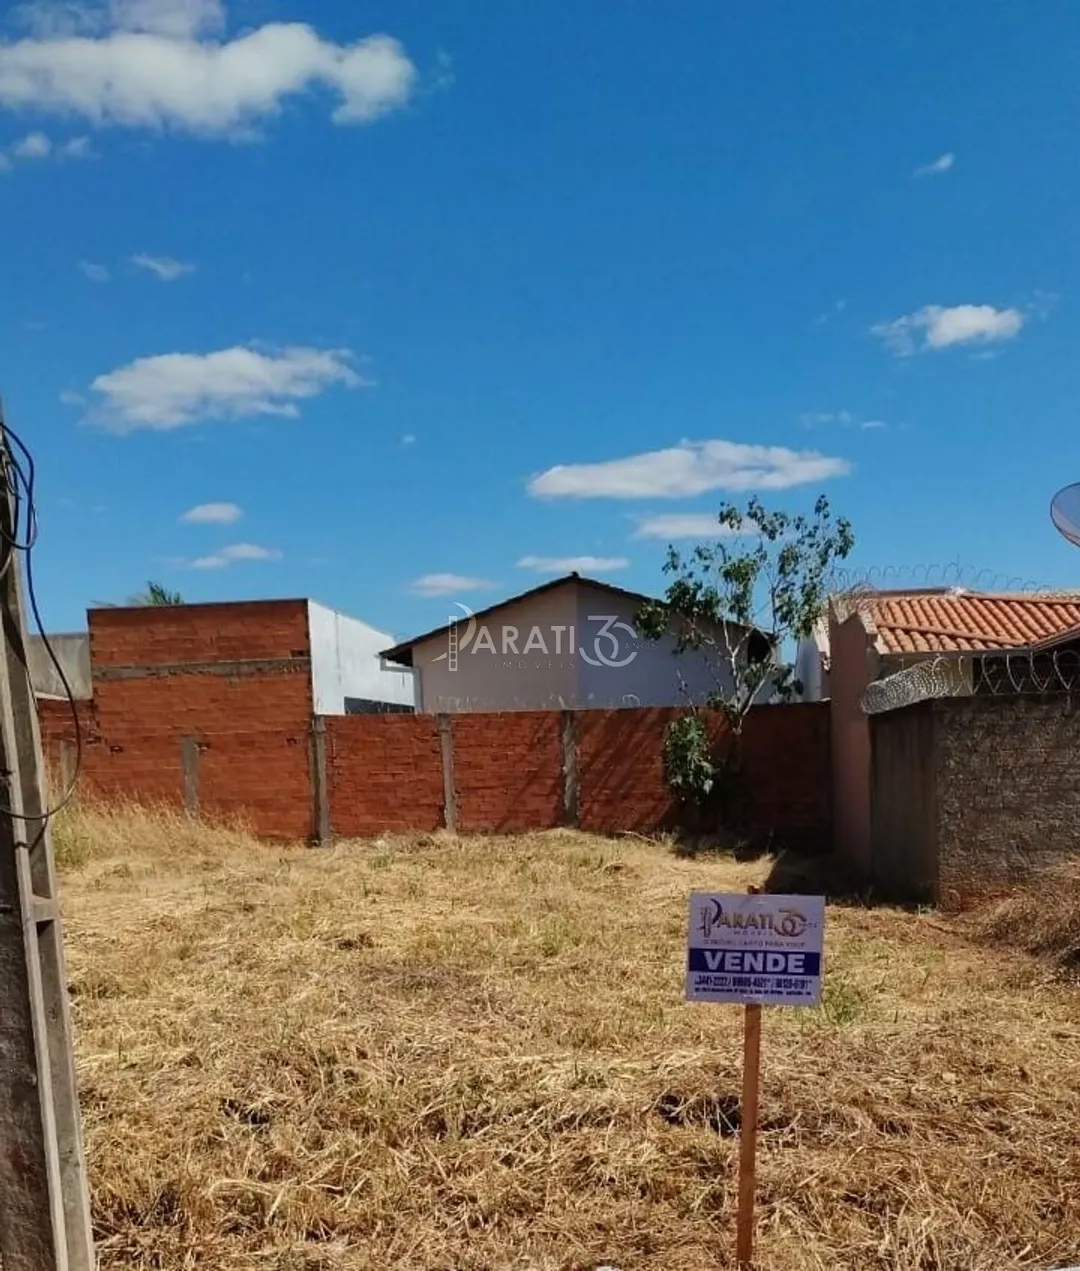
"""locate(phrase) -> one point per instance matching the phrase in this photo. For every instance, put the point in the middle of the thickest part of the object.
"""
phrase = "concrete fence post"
(570, 734)
(68, 753)
(322, 830)
(189, 767)
(446, 750)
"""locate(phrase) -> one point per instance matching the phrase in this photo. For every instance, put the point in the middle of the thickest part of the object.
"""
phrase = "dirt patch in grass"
(465, 1054)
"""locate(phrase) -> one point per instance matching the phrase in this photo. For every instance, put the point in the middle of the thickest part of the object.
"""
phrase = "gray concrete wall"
(73, 653)
(518, 659)
(1008, 793)
(903, 804)
(345, 663)
(653, 674)
(521, 658)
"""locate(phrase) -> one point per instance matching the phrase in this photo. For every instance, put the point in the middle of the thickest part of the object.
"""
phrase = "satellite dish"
(1065, 513)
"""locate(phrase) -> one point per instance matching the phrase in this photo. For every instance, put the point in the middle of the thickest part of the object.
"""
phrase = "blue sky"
(416, 290)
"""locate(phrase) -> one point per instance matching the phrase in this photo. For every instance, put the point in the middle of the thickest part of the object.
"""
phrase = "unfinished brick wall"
(621, 770)
(508, 771)
(528, 770)
(209, 707)
(205, 706)
(384, 773)
(787, 760)
(57, 729)
(785, 787)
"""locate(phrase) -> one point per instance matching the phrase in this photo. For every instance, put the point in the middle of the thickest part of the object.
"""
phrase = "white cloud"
(942, 327)
(76, 148)
(168, 64)
(164, 267)
(35, 145)
(232, 555)
(837, 309)
(669, 525)
(687, 470)
(840, 418)
(212, 514)
(448, 584)
(96, 273)
(409, 439)
(39, 145)
(175, 389)
(444, 71)
(821, 419)
(941, 164)
(51, 19)
(573, 564)
(178, 19)
(70, 398)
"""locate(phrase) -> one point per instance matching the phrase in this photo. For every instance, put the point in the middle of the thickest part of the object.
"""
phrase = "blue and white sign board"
(755, 949)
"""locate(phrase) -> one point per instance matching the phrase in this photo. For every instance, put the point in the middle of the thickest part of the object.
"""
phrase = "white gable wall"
(557, 676)
(656, 675)
(502, 680)
(345, 663)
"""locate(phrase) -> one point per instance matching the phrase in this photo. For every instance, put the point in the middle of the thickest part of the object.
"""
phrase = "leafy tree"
(156, 594)
(741, 601)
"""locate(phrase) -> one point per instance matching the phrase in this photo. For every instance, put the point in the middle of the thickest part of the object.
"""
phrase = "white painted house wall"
(345, 663)
(557, 677)
(810, 662)
(656, 676)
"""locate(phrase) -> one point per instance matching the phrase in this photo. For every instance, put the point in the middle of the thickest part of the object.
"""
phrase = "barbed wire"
(1027, 673)
(877, 580)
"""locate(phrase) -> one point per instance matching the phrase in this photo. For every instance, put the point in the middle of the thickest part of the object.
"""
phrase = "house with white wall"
(568, 644)
(348, 675)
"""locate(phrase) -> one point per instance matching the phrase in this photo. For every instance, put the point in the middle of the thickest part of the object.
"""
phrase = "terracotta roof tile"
(951, 622)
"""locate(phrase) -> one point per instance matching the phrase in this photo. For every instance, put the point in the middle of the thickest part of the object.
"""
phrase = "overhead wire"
(19, 482)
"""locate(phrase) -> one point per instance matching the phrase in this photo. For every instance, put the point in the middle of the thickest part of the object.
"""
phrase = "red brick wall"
(508, 771)
(252, 726)
(152, 688)
(786, 782)
(621, 771)
(787, 758)
(384, 773)
(56, 724)
(198, 633)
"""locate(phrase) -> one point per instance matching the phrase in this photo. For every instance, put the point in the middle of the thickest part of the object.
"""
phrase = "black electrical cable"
(16, 476)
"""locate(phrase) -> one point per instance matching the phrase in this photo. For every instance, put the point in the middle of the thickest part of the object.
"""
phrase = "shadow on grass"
(801, 866)
(800, 874)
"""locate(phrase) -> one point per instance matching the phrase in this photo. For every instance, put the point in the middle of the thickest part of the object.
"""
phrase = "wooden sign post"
(748, 1124)
(755, 950)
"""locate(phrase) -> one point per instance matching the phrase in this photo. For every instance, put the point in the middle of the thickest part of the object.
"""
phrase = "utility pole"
(44, 1197)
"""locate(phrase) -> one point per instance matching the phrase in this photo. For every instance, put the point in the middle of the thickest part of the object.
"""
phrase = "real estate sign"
(758, 950)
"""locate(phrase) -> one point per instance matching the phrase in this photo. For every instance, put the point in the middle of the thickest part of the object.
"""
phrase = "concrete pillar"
(322, 831)
(570, 733)
(189, 766)
(446, 749)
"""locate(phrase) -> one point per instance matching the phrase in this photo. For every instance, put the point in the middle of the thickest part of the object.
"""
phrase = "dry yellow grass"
(465, 1054)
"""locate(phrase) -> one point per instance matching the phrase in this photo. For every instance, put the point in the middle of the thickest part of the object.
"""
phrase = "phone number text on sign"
(763, 950)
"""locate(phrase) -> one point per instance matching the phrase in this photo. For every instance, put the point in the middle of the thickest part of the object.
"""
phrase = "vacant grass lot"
(463, 1054)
